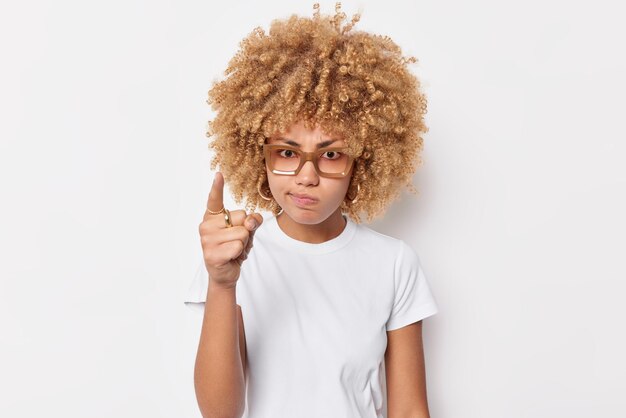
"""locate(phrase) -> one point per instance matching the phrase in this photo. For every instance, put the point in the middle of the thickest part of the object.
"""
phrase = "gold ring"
(227, 218)
(215, 213)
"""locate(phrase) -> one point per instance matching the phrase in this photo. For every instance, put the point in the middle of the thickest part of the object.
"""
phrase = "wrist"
(220, 288)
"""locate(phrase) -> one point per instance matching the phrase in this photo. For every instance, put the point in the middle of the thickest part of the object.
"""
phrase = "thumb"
(253, 221)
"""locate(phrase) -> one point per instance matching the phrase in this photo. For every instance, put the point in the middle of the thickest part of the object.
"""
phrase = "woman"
(323, 318)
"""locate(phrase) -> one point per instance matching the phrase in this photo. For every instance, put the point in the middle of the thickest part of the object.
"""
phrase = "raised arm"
(219, 374)
(219, 370)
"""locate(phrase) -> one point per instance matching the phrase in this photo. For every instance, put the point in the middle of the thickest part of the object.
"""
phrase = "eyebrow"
(320, 145)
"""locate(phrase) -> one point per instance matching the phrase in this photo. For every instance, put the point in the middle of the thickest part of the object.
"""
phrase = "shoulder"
(391, 250)
(367, 234)
(383, 243)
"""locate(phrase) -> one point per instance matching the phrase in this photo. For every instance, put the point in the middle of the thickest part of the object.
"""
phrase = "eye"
(333, 155)
(281, 151)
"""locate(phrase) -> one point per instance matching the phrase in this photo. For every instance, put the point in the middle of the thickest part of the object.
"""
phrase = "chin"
(312, 216)
(303, 216)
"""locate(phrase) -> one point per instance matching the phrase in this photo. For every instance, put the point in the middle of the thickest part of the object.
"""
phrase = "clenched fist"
(225, 248)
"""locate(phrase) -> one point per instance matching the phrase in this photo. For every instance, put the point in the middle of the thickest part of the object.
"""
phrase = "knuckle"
(207, 236)
(205, 226)
(242, 232)
(209, 259)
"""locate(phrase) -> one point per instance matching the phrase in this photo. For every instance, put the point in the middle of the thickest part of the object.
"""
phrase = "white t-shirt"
(315, 319)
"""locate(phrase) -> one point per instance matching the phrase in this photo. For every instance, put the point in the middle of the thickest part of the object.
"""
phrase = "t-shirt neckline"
(281, 238)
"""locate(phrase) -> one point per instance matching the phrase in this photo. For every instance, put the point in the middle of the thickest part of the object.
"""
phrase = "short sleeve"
(413, 299)
(196, 293)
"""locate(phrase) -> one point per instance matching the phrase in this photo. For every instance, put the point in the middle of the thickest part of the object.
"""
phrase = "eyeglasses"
(333, 162)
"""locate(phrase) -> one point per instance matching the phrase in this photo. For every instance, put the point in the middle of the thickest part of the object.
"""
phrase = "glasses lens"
(332, 162)
(282, 159)
(329, 162)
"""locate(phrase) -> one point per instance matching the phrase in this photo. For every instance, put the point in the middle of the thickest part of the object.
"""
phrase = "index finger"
(216, 195)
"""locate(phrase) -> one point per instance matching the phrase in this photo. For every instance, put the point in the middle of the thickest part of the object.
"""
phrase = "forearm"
(422, 413)
(414, 414)
(218, 375)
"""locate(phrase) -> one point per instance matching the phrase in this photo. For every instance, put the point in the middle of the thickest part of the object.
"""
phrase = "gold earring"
(358, 188)
(259, 189)
(267, 198)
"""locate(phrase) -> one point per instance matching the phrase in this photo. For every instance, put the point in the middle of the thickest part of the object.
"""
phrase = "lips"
(303, 196)
(303, 200)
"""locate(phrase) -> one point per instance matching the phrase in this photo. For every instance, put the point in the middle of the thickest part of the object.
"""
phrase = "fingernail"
(253, 224)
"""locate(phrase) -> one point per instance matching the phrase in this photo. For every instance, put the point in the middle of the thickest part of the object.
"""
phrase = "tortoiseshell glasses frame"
(308, 156)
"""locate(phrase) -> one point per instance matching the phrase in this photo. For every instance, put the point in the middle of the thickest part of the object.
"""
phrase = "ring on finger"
(227, 219)
(216, 213)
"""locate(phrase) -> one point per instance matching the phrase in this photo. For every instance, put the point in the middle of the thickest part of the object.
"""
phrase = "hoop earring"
(259, 189)
(358, 188)
(267, 198)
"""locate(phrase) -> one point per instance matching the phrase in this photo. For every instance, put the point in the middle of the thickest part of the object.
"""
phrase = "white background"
(104, 177)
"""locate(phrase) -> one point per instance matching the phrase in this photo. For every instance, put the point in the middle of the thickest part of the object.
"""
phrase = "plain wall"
(104, 178)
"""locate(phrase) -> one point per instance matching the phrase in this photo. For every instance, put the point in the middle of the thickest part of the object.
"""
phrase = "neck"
(324, 231)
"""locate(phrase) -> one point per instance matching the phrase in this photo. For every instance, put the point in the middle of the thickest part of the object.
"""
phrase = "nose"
(307, 174)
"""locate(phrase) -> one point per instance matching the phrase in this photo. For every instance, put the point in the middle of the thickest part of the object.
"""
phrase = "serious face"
(321, 196)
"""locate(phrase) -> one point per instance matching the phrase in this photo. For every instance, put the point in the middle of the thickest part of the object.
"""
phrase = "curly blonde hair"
(355, 84)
